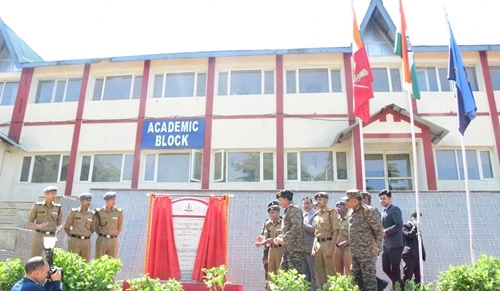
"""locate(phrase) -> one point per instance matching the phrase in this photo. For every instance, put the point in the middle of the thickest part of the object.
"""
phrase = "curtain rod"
(204, 195)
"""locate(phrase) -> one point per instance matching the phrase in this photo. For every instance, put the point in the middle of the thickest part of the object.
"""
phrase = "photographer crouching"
(39, 277)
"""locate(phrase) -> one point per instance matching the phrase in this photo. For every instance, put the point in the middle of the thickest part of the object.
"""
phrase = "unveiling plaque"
(188, 216)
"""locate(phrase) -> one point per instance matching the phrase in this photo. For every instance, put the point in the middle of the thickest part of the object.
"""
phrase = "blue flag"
(456, 72)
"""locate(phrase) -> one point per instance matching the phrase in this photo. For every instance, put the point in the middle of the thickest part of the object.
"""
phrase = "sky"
(76, 29)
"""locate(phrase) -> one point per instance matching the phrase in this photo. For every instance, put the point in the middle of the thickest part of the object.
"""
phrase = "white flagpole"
(466, 180)
(362, 149)
(417, 196)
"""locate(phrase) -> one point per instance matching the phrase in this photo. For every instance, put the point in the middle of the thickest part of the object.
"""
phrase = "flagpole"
(362, 149)
(416, 186)
(466, 180)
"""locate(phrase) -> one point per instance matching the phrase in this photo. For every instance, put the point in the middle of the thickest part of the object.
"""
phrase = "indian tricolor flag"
(363, 77)
(404, 49)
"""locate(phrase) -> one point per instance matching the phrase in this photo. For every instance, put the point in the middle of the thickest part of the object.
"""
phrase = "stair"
(14, 213)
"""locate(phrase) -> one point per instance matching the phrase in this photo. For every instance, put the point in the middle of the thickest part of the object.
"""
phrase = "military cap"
(49, 189)
(321, 194)
(273, 205)
(353, 193)
(85, 196)
(340, 203)
(285, 194)
(109, 195)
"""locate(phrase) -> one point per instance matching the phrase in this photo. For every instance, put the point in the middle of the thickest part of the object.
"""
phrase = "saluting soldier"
(45, 218)
(79, 227)
(108, 223)
(326, 231)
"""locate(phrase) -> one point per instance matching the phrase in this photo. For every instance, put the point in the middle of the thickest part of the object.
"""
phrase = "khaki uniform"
(108, 224)
(80, 226)
(326, 223)
(343, 256)
(272, 230)
(41, 213)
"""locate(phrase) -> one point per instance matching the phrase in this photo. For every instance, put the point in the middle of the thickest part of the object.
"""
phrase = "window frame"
(55, 85)
(390, 82)
(262, 81)
(297, 80)
(32, 165)
(334, 166)
(3, 83)
(103, 89)
(386, 171)
(458, 155)
(164, 81)
(92, 163)
(191, 172)
(224, 157)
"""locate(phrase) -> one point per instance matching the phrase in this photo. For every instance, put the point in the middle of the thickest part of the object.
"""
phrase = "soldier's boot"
(381, 284)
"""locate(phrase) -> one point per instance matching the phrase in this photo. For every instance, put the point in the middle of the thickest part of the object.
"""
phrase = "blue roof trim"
(20, 52)
(371, 10)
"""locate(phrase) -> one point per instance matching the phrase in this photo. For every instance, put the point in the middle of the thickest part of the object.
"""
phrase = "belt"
(276, 246)
(46, 232)
(80, 236)
(324, 239)
(108, 236)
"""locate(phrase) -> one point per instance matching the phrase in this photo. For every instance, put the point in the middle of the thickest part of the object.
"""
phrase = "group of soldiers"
(324, 241)
(107, 222)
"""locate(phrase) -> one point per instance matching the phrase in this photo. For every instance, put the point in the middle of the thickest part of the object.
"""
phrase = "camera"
(53, 270)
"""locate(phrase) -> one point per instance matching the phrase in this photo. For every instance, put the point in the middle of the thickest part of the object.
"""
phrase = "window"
(386, 80)
(316, 166)
(180, 85)
(495, 77)
(246, 82)
(434, 79)
(107, 168)
(243, 166)
(388, 171)
(64, 90)
(313, 81)
(8, 92)
(450, 166)
(44, 169)
(173, 167)
(117, 87)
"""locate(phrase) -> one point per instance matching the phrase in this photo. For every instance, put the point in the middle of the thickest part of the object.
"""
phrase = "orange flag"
(363, 77)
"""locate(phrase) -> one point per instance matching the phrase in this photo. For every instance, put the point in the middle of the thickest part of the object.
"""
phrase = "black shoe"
(381, 284)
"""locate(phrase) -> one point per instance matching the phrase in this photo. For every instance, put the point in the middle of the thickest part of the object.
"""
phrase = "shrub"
(149, 284)
(484, 275)
(215, 277)
(289, 280)
(98, 274)
(340, 283)
(412, 286)
(11, 271)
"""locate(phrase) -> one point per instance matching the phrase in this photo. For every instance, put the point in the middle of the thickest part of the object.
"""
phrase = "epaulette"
(98, 209)
(92, 211)
(118, 209)
(56, 205)
(366, 207)
(39, 203)
(329, 209)
(75, 209)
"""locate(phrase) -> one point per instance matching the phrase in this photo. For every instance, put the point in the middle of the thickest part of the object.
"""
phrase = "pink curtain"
(162, 261)
(212, 250)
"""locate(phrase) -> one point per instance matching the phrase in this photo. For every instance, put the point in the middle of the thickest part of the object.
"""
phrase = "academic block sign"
(173, 134)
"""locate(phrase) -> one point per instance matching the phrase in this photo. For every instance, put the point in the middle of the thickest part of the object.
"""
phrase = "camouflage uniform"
(292, 234)
(366, 234)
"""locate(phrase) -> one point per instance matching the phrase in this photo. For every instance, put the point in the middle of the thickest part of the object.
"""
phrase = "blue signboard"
(173, 134)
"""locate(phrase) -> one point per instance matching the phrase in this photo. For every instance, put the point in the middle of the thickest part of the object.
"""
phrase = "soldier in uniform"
(79, 227)
(45, 218)
(292, 234)
(271, 231)
(108, 223)
(342, 254)
(326, 232)
(365, 236)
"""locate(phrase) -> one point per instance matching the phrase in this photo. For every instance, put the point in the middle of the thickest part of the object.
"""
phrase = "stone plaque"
(189, 216)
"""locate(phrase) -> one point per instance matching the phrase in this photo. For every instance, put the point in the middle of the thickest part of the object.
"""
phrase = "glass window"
(313, 81)
(44, 92)
(98, 85)
(64, 169)
(85, 170)
(495, 77)
(291, 84)
(316, 166)
(25, 170)
(449, 164)
(223, 81)
(53, 91)
(269, 82)
(291, 169)
(173, 168)
(246, 82)
(336, 80)
(268, 166)
(390, 171)
(380, 80)
(179, 85)
(137, 87)
(427, 79)
(197, 164)
(395, 80)
(201, 84)
(8, 93)
(243, 167)
(443, 79)
(73, 90)
(219, 161)
(472, 77)
(149, 169)
(158, 86)
(341, 165)
(128, 165)
(107, 168)
(117, 88)
(45, 169)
